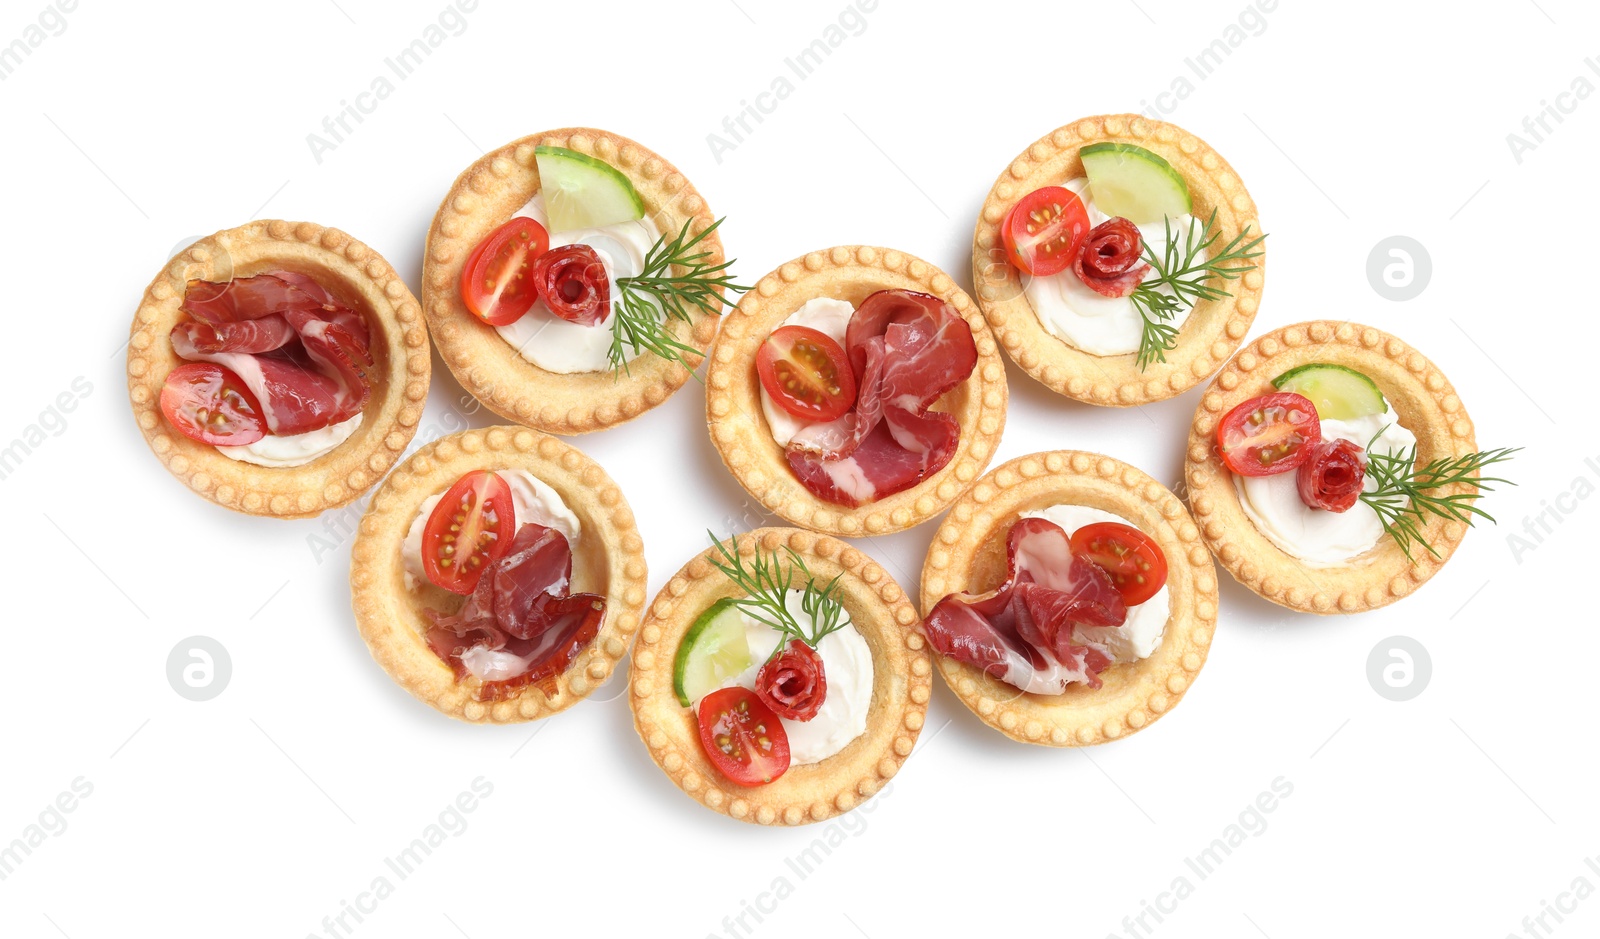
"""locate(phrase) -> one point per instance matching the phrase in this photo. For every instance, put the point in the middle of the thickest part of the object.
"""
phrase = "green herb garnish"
(640, 323)
(1181, 270)
(766, 581)
(1406, 497)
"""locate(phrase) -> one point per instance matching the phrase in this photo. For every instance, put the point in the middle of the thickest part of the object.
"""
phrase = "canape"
(572, 279)
(1069, 598)
(1334, 469)
(778, 678)
(498, 575)
(856, 390)
(1119, 260)
(278, 368)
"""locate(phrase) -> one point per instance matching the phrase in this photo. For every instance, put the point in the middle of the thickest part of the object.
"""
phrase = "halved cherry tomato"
(1267, 435)
(1137, 567)
(1044, 231)
(807, 373)
(742, 738)
(495, 284)
(211, 404)
(471, 527)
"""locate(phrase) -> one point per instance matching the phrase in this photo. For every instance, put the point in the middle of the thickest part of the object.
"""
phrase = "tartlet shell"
(1422, 399)
(1213, 329)
(609, 560)
(884, 616)
(733, 392)
(968, 555)
(484, 197)
(353, 272)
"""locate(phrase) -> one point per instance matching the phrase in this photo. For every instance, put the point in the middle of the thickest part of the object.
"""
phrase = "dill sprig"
(1406, 497)
(1189, 277)
(766, 582)
(657, 295)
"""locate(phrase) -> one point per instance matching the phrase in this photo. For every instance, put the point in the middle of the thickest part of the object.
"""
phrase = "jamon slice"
(927, 346)
(248, 298)
(252, 337)
(519, 626)
(906, 349)
(294, 399)
(886, 462)
(339, 353)
(1023, 633)
(301, 353)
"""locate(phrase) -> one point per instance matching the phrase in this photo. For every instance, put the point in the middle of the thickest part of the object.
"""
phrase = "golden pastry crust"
(1424, 403)
(608, 559)
(968, 555)
(486, 195)
(1213, 330)
(351, 271)
(883, 615)
(733, 392)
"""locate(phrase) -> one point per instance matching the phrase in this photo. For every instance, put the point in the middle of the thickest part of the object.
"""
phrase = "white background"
(268, 808)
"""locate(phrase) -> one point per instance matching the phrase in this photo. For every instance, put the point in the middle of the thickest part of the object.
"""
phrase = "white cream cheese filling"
(533, 500)
(557, 345)
(1090, 321)
(1316, 536)
(293, 449)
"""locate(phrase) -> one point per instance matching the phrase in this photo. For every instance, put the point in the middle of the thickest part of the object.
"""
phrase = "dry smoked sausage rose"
(793, 684)
(1109, 261)
(572, 281)
(1333, 475)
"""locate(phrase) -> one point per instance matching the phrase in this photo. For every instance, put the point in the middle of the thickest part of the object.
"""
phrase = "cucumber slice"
(1340, 393)
(712, 651)
(1134, 183)
(583, 192)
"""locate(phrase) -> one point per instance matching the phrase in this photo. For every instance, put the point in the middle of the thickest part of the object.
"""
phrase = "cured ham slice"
(879, 466)
(299, 351)
(1026, 632)
(339, 354)
(906, 349)
(252, 337)
(294, 399)
(927, 346)
(520, 626)
(250, 298)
